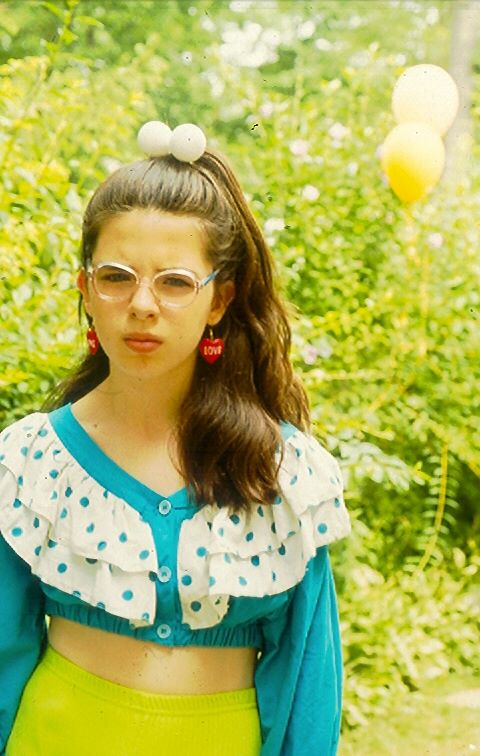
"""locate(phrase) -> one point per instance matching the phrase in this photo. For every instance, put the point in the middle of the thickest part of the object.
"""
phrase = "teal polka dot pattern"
(76, 535)
(100, 548)
(266, 550)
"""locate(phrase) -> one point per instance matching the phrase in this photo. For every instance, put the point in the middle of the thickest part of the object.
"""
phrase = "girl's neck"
(147, 413)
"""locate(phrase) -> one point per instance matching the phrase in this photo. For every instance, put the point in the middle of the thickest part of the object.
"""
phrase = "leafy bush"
(401, 631)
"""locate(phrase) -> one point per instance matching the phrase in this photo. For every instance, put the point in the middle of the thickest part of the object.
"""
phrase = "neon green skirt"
(67, 711)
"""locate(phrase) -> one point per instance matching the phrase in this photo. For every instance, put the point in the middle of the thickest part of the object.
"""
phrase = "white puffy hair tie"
(186, 142)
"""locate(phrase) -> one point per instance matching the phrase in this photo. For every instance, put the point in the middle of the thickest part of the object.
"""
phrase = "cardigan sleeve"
(299, 675)
(22, 633)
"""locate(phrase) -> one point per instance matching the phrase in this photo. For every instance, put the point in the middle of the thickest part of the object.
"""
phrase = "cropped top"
(83, 539)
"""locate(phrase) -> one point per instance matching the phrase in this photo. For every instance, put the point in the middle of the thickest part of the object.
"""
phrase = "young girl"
(167, 507)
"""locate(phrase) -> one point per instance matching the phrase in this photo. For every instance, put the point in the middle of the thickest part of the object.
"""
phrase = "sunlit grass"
(421, 724)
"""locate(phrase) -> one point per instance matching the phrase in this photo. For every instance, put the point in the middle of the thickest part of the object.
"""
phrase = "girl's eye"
(111, 273)
(117, 277)
(177, 282)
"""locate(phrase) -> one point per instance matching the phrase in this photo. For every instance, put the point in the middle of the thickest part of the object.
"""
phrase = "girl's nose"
(143, 299)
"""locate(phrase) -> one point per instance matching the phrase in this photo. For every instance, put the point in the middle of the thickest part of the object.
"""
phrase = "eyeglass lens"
(176, 289)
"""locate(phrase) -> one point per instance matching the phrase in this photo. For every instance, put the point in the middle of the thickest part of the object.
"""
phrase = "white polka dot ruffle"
(75, 535)
(267, 550)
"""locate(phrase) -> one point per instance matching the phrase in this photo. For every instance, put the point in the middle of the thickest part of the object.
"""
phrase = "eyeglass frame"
(198, 283)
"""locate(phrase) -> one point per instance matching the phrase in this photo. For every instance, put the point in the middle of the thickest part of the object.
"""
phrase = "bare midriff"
(152, 667)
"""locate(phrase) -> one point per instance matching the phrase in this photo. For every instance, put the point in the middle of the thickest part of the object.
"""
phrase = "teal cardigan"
(83, 539)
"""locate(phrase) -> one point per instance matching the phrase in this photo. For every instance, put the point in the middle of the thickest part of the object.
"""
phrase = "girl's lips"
(143, 346)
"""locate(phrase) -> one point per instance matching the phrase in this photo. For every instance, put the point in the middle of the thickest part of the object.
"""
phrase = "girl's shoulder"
(265, 549)
(23, 431)
(76, 535)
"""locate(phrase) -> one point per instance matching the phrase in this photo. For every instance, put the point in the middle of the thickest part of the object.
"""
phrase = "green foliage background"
(386, 331)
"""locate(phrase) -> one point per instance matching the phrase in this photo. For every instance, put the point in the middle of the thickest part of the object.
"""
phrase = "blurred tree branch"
(465, 34)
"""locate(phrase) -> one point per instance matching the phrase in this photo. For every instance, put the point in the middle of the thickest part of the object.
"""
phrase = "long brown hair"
(228, 430)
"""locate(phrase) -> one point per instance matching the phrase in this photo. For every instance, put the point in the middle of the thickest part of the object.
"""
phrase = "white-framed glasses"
(172, 287)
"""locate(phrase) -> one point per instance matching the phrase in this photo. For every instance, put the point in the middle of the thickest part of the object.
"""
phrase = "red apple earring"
(92, 338)
(211, 349)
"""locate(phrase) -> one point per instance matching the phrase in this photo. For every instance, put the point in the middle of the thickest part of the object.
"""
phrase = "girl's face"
(149, 241)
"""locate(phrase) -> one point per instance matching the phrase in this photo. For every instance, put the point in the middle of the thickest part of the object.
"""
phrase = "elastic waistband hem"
(131, 697)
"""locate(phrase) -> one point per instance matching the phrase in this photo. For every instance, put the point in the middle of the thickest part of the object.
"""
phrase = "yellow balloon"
(426, 94)
(413, 158)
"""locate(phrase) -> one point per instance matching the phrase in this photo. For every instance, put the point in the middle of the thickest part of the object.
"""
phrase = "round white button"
(164, 507)
(164, 631)
(164, 574)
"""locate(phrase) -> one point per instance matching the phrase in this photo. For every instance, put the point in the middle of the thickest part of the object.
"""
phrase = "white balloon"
(154, 138)
(188, 142)
(428, 94)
